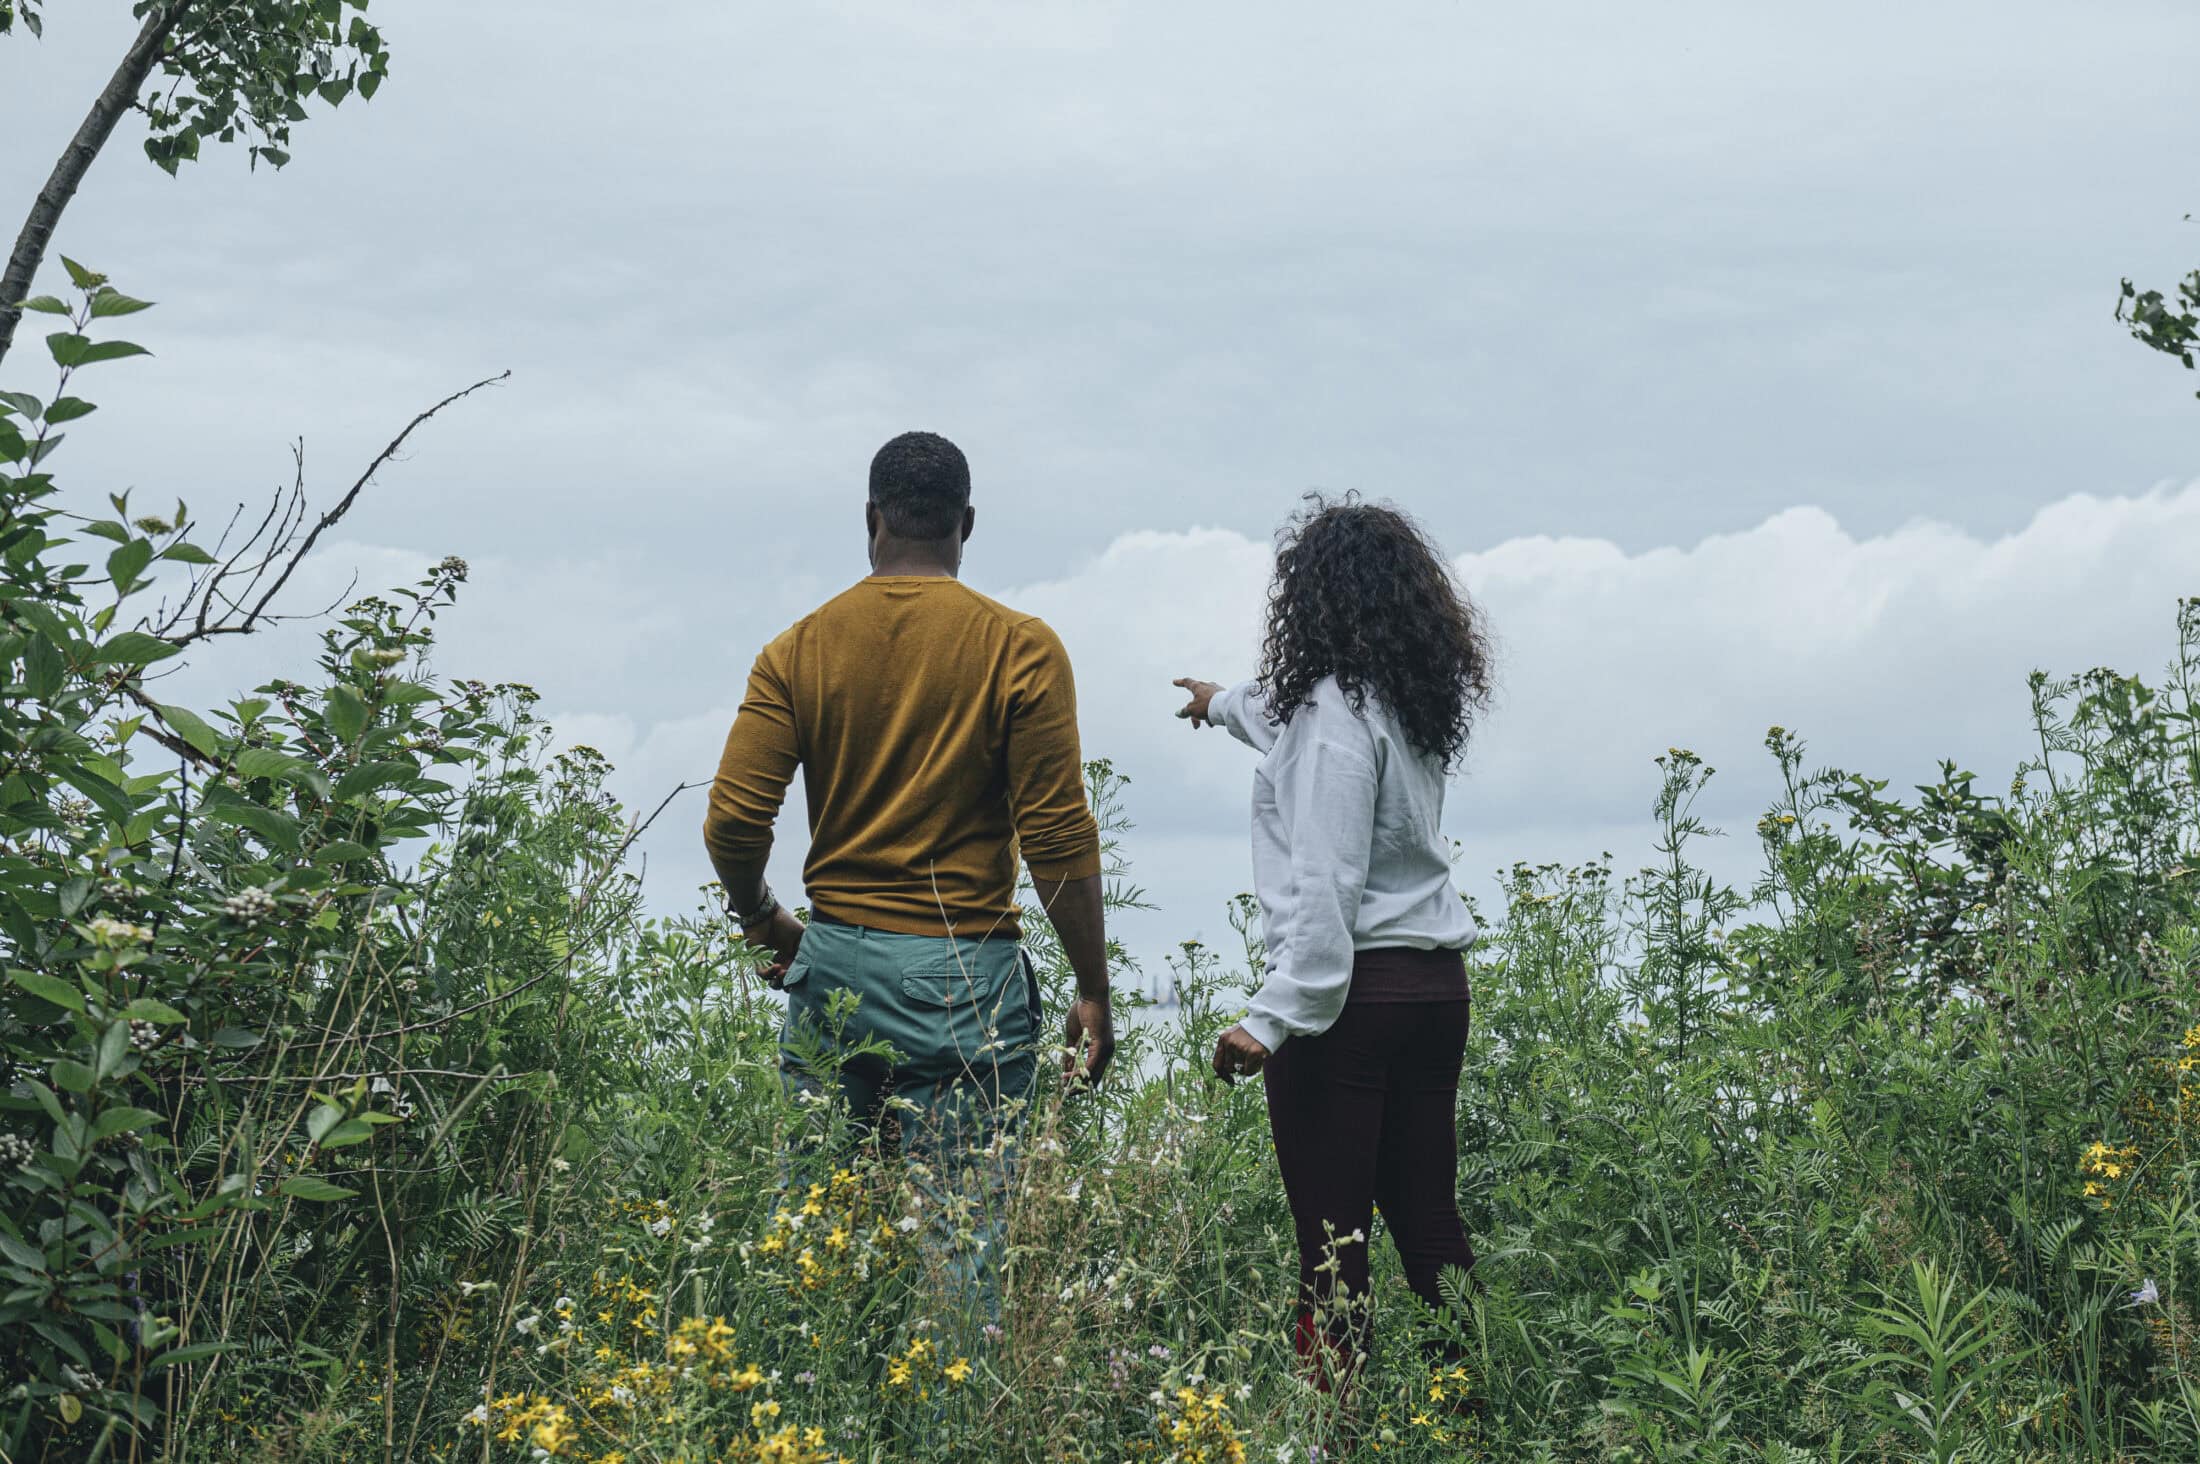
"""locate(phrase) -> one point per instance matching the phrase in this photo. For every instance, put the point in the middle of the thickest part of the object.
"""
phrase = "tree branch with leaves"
(225, 70)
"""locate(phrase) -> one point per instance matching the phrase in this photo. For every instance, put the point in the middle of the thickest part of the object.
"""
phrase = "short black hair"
(921, 484)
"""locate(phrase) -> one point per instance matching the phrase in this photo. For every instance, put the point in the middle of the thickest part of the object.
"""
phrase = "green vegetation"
(355, 1110)
(200, 71)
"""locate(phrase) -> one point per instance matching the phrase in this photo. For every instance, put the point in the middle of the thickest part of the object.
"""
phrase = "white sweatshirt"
(1348, 853)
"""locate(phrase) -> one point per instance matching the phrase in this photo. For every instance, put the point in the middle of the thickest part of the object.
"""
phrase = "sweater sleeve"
(1242, 711)
(1326, 794)
(1046, 768)
(759, 761)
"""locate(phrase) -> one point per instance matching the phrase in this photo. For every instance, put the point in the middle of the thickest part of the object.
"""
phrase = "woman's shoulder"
(1338, 716)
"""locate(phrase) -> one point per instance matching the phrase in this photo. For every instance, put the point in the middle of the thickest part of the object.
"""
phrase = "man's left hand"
(1088, 1040)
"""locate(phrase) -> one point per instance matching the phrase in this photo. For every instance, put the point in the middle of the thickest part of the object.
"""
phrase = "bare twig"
(284, 544)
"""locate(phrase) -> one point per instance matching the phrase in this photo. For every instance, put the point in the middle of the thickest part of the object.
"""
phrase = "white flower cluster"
(16, 1152)
(399, 1103)
(251, 905)
(109, 931)
(144, 1036)
(452, 568)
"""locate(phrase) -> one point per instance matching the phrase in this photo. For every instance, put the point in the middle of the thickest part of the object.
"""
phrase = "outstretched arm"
(1240, 710)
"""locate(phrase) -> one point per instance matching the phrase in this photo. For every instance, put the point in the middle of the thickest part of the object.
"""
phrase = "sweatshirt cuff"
(1219, 705)
(1265, 1030)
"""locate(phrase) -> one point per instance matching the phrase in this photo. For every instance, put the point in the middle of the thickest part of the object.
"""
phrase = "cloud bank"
(1886, 652)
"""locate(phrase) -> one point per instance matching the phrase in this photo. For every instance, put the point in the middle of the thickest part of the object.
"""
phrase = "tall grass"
(356, 1109)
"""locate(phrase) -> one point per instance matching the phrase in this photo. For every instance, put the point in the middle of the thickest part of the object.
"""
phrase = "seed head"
(251, 905)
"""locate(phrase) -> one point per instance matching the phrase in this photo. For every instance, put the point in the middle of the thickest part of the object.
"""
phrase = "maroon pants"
(1363, 1116)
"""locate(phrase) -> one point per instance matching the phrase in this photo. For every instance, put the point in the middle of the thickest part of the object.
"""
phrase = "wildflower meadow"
(355, 1107)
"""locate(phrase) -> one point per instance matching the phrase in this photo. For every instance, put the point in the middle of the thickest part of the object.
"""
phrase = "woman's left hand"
(1238, 1054)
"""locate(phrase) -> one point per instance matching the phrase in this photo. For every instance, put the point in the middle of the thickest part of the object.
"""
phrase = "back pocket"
(959, 975)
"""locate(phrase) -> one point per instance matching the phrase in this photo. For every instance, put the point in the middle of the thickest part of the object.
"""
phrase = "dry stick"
(389, 1358)
(329, 519)
(114, 99)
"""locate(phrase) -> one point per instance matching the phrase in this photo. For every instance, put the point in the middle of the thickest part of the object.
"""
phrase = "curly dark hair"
(1363, 595)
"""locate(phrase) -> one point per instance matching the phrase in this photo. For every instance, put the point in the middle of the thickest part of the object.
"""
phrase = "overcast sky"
(1758, 366)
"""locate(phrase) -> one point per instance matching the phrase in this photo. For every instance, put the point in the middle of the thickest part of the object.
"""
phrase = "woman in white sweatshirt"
(1374, 668)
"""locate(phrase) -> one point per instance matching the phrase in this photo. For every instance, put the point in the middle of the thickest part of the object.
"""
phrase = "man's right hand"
(1088, 1040)
(782, 936)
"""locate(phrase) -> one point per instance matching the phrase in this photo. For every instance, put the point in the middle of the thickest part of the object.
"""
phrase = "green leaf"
(342, 851)
(136, 648)
(68, 409)
(114, 1047)
(68, 347)
(45, 305)
(194, 1352)
(278, 829)
(368, 777)
(111, 800)
(49, 988)
(25, 403)
(114, 1121)
(307, 1187)
(43, 668)
(112, 301)
(190, 1235)
(193, 729)
(347, 713)
(350, 1131)
(112, 351)
(127, 563)
(74, 1076)
(408, 693)
(46, 1099)
(22, 1252)
(266, 762)
(187, 553)
(82, 278)
(147, 1009)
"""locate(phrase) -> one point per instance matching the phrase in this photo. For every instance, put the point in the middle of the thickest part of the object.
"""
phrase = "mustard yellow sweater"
(936, 731)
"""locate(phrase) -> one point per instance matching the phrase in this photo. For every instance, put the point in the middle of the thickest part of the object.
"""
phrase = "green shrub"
(355, 1109)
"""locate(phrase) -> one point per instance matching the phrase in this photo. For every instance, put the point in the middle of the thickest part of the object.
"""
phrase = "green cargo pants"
(962, 1017)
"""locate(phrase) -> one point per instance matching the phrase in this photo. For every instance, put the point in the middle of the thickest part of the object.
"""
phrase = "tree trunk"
(76, 160)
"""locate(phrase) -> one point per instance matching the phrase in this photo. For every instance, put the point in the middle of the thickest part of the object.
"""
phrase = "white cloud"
(1886, 653)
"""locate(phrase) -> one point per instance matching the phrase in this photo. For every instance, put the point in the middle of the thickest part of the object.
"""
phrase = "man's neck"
(907, 559)
(913, 569)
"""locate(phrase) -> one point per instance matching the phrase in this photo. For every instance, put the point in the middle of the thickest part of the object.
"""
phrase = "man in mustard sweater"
(936, 733)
